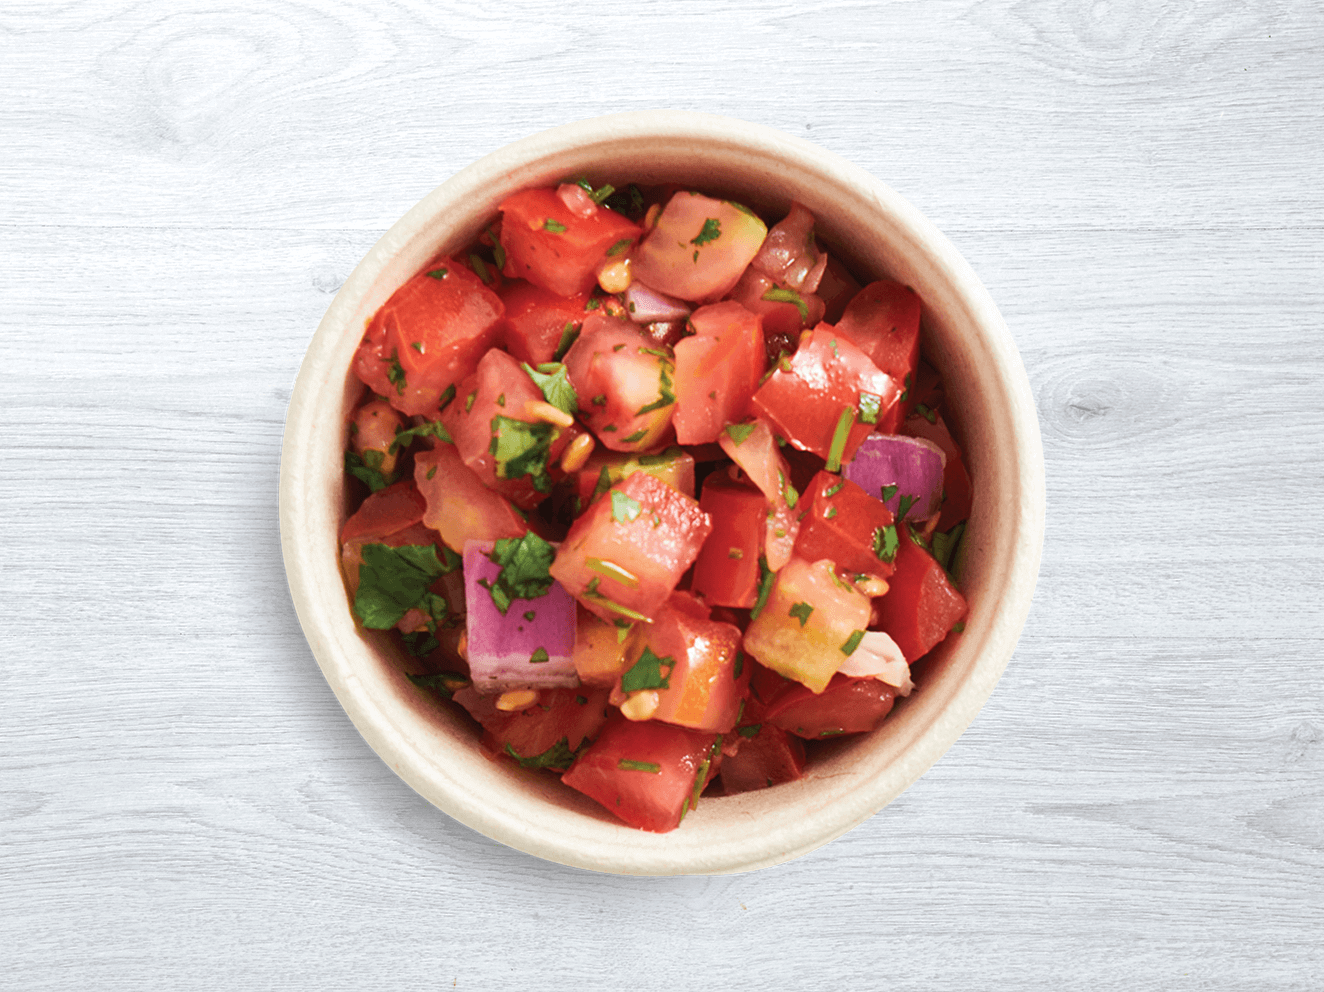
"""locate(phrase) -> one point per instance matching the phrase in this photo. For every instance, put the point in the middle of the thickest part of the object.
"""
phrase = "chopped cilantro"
(801, 612)
(619, 247)
(609, 429)
(630, 765)
(904, 504)
(604, 483)
(739, 433)
(539, 657)
(628, 201)
(888, 492)
(555, 226)
(501, 400)
(429, 428)
(530, 615)
(520, 449)
(766, 575)
(750, 730)
(558, 756)
(831, 491)
(869, 407)
(885, 542)
(928, 413)
(958, 627)
(831, 512)
(480, 269)
(593, 303)
(662, 457)
(665, 397)
(447, 682)
(839, 438)
(431, 472)
(524, 563)
(711, 231)
(417, 346)
(735, 553)
(552, 379)
(569, 334)
(600, 399)
(469, 401)
(905, 393)
(439, 273)
(446, 397)
(789, 491)
(637, 436)
(393, 581)
(852, 643)
(368, 469)
(498, 252)
(599, 195)
(624, 509)
(396, 374)
(646, 673)
(779, 295)
(712, 395)
(617, 347)
(581, 700)
(739, 668)
(945, 544)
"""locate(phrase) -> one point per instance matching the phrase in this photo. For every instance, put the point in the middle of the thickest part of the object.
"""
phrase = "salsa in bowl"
(664, 503)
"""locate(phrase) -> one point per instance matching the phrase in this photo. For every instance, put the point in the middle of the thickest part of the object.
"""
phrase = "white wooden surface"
(184, 805)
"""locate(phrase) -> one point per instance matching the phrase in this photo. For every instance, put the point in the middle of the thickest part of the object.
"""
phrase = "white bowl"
(876, 232)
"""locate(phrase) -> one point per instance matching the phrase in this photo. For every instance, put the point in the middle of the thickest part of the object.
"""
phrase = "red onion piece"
(788, 254)
(912, 464)
(502, 649)
(647, 306)
(576, 199)
(877, 656)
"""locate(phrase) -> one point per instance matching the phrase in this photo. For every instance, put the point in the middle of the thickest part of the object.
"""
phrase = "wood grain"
(183, 803)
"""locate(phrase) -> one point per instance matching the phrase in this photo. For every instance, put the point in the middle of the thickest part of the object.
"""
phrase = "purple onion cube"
(895, 468)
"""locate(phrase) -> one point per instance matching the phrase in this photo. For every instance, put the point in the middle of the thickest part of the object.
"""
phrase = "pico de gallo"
(656, 492)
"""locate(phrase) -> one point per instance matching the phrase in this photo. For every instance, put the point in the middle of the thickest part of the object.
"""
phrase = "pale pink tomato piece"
(625, 384)
(717, 371)
(698, 247)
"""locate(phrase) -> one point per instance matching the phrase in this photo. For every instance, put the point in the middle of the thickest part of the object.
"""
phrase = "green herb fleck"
(521, 448)
(869, 407)
(524, 563)
(480, 269)
(558, 756)
(831, 491)
(396, 373)
(469, 401)
(368, 469)
(439, 273)
(779, 295)
(646, 673)
(711, 231)
(905, 393)
(801, 612)
(739, 668)
(630, 765)
(885, 543)
(888, 492)
(766, 577)
(735, 553)
(619, 247)
(945, 544)
(739, 433)
(624, 509)
(750, 730)
(904, 504)
(447, 682)
(446, 397)
(554, 381)
(539, 657)
(839, 438)
(569, 334)
(429, 428)
(928, 413)
(852, 643)
(637, 436)
(555, 226)
(958, 627)
(831, 512)
(530, 615)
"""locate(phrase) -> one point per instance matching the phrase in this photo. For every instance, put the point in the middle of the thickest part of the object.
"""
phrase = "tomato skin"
(717, 371)
(498, 387)
(726, 573)
(436, 329)
(704, 690)
(624, 383)
(769, 757)
(957, 491)
(686, 256)
(459, 506)
(530, 732)
(842, 524)
(565, 260)
(536, 320)
(651, 551)
(826, 376)
(883, 320)
(807, 647)
(753, 447)
(920, 606)
(647, 800)
(392, 509)
(845, 706)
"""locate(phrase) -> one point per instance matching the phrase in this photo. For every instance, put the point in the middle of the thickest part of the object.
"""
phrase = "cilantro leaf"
(869, 407)
(766, 575)
(619, 247)
(539, 657)
(480, 269)
(945, 544)
(393, 581)
(569, 335)
(624, 509)
(665, 397)
(368, 469)
(447, 682)
(647, 672)
(439, 273)
(555, 226)
(524, 563)
(739, 433)
(430, 428)
(750, 730)
(928, 413)
(552, 379)
(711, 231)
(904, 504)
(888, 492)
(628, 202)
(839, 439)
(630, 765)
(604, 483)
(637, 436)
(852, 643)
(779, 295)
(885, 542)
(396, 373)
(521, 448)
(558, 756)
(801, 612)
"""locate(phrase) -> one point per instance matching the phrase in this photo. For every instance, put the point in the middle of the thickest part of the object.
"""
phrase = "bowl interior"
(876, 233)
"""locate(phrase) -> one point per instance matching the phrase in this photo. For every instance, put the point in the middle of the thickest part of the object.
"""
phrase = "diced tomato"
(920, 606)
(459, 506)
(674, 466)
(392, 509)
(848, 526)
(767, 756)
(846, 706)
(698, 247)
(753, 447)
(372, 435)
(784, 314)
(726, 572)
(828, 381)
(957, 491)
(883, 321)
(600, 649)
(691, 665)
(429, 335)
(789, 254)
(484, 406)
(645, 773)
(553, 247)
(837, 288)
(925, 390)
(545, 735)
(717, 371)
(807, 624)
(628, 551)
(540, 325)
(625, 384)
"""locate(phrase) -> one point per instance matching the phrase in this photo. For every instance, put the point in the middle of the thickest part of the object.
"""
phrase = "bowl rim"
(397, 729)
